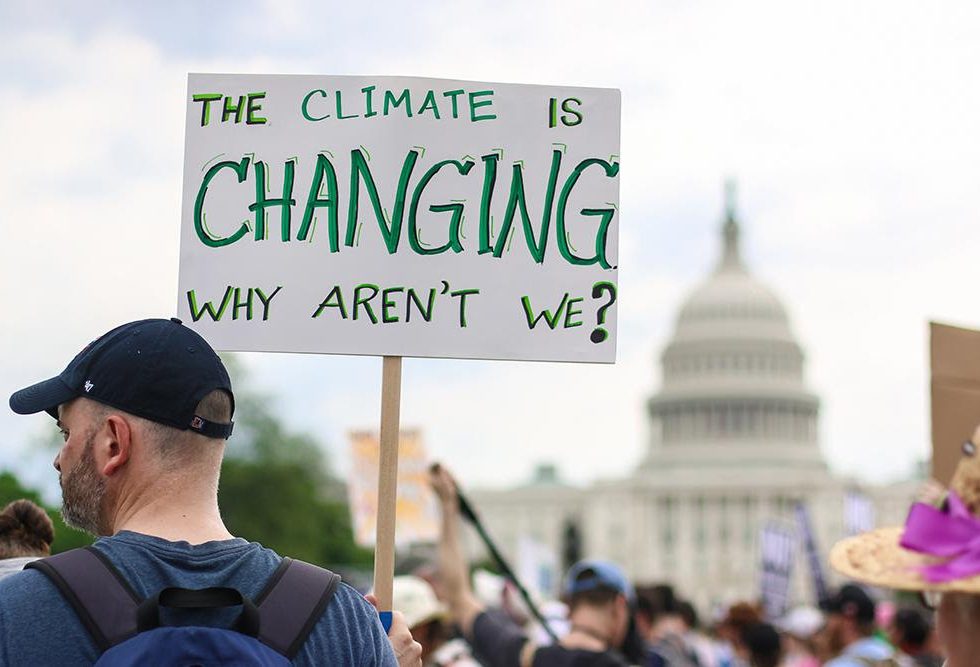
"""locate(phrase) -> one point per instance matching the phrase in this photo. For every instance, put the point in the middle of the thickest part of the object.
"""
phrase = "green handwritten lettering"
(517, 201)
(456, 208)
(323, 170)
(215, 313)
(361, 301)
(360, 171)
(474, 105)
(284, 203)
(304, 108)
(200, 225)
(605, 215)
(207, 99)
(392, 102)
(334, 299)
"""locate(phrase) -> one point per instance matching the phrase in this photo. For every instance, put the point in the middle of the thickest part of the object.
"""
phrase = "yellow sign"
(416, 513)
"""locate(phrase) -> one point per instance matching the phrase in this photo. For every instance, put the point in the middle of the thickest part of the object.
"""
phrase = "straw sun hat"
(938, 549)
(414, 597)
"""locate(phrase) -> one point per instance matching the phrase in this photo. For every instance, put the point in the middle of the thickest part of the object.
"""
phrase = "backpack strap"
(292, 603)
(103, 601)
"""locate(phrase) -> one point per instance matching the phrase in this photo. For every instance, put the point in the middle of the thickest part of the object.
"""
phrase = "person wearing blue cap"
(598, 594)
(145, 411)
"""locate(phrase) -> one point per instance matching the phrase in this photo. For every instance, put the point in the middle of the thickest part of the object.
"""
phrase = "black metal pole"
(467, 511)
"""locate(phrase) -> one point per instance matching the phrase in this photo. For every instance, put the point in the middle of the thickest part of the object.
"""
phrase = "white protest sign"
(401, 216)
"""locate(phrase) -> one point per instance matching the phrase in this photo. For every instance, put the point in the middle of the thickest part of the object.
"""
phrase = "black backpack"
(127, 631)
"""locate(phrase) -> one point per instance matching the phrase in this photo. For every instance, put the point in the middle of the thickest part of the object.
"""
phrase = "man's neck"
(590, 630)
(172, 512)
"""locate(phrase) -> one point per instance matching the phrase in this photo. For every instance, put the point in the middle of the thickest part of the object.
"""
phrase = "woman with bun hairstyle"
(26, 534)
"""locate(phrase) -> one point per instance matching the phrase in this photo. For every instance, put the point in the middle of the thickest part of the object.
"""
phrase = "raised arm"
(496, 641)
(463, 605)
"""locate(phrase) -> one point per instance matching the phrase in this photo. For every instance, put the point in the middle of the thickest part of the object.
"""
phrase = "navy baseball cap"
(156, 369)
(589, 575)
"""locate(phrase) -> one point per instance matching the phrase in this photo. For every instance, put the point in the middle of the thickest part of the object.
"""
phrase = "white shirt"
(10, 566)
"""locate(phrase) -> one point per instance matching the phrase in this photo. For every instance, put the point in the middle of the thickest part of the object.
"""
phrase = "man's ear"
(118, 443)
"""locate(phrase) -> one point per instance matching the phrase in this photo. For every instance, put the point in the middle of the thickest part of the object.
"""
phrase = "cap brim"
(877, 558)
(46, 396)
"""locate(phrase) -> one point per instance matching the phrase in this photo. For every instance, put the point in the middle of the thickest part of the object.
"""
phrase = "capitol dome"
(732, 302)
(733, 386)
(732, 294)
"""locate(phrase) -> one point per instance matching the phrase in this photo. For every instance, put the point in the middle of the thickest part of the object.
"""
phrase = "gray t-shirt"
(10, 565)
(38, 627)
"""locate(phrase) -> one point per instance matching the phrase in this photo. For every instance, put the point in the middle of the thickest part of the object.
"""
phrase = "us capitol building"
(732, 446)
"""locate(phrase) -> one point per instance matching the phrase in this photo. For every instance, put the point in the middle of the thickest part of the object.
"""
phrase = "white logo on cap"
(88, 386)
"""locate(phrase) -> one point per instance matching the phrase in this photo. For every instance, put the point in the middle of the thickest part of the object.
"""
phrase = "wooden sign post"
(384, 554)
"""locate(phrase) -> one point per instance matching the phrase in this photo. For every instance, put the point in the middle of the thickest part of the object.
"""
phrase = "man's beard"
(82, 493)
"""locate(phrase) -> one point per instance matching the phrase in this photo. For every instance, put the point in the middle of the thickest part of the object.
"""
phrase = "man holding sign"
(145, 410)
(350, 215)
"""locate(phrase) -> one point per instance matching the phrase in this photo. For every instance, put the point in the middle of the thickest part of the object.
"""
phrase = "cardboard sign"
(778, 545)
(416, 511)
(955, 361)
(401, 216)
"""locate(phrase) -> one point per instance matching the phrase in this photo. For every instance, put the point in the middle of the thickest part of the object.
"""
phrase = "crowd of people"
(145, 411)
(610, 621)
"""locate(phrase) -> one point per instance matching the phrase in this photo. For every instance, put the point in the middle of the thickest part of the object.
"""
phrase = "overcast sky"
(852, 129)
